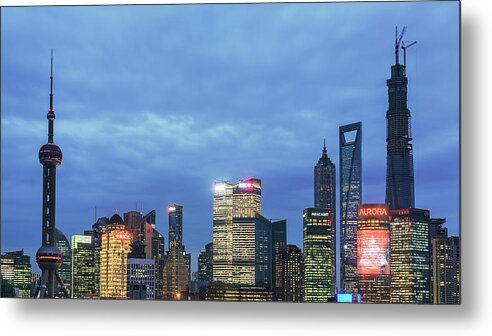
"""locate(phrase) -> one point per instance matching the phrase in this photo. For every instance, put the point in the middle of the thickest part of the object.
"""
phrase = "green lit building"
(319, 255)
(410, 256)
(83, 267)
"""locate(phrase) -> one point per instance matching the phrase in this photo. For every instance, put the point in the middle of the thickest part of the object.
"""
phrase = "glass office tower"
(350, 199)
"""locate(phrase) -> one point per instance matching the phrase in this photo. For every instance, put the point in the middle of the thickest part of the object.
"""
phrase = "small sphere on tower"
(50, 155)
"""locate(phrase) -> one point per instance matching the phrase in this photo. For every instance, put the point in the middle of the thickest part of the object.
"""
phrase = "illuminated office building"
(446, 270)
(246, 204)
(16, 274)
(218, 291)
(319, 255)
(289, 271)
(141, 274)
(205, 263)
(222, 232)
(373, 253)
(65, 270)
(410, 257)
(176, 224)
(115, 246)
(350, 137)
(83, 267)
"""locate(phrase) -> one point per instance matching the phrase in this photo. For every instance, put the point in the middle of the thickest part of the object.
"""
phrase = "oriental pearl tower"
(49, 257)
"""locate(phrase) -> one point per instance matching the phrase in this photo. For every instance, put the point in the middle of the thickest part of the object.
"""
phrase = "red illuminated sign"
(373, 252)
(373, 211)
(122, 236)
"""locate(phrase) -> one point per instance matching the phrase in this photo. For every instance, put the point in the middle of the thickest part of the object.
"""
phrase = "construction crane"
(404, 47)
(397, 43)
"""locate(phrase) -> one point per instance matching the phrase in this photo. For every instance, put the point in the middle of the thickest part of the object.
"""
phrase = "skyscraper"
(97, 229)
(222, 232)
(373, 253)
(446, 269)
(319, 255)
(205, 263)
(270, 237)
(48, 256)
(410, 264)
(115, 246)
(176, 224)
(83, 267)
(399, 162)
(289, 274)
(65, 270)
(325, 184)
(246, 204)
(16, 274)
(350, 199)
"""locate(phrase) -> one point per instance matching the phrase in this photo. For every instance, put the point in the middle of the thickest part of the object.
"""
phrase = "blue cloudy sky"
(155, 103)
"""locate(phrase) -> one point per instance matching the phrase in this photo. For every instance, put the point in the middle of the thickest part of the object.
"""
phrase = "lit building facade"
(16, 274)
(410, 256)
(222, 232)
(65, 270)
(115, 246)
(176, 224)
(246, 204)
(205, 263)
(373, 253)
(83, 267)
(319, 255)
(350, 137)
(176, 274)
(289, 271)
(218, 291)
(446, 270)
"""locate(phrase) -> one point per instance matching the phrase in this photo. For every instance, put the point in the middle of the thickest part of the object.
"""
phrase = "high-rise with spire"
(325, 184)
(49, 257)
(399, 163)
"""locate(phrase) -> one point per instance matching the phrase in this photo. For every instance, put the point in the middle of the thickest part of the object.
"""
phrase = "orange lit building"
(115, 246)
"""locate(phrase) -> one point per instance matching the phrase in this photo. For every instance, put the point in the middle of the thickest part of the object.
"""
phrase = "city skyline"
(136, 160)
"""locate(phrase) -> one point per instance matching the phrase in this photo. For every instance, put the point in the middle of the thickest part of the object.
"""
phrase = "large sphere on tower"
(50, 155)
(49, 257)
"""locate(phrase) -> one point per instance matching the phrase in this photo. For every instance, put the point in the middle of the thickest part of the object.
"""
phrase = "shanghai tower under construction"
(399, 170)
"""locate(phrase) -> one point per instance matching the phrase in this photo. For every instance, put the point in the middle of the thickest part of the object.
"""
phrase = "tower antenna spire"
(51, 82)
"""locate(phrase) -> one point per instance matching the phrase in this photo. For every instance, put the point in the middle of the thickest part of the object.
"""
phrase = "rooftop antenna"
(397, 43)
(405, 46)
